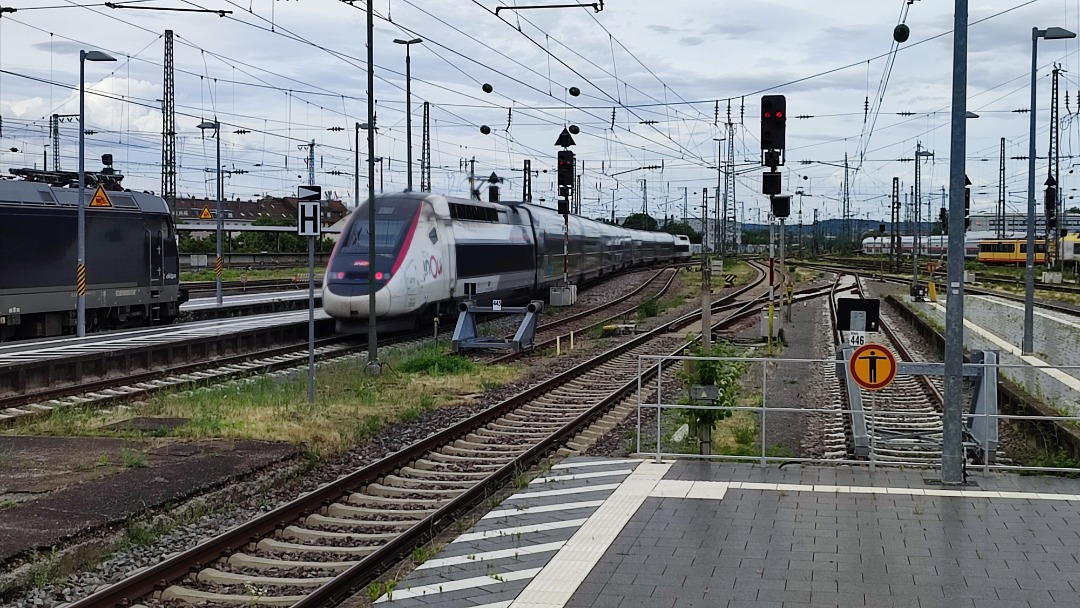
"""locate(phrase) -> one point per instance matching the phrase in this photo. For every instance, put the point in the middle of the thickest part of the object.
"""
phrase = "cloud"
(730, 31)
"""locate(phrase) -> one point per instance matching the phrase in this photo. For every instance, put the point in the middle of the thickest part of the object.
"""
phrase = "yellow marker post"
(558, 345)
(932, 292)
(571, 340)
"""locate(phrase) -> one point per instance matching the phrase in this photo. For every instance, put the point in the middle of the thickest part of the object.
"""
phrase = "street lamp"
(408, 105)
(80, 269)
(1051, 33)
(219, 263)
(802, 192)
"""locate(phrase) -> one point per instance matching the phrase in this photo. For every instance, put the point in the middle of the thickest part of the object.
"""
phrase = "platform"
(596, 533)
(249, 299)
(26, 352)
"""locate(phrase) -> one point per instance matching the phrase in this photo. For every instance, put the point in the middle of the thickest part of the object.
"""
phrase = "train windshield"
(394, 218)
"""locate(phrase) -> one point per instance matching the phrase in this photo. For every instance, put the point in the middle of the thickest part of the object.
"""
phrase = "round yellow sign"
(872, 366)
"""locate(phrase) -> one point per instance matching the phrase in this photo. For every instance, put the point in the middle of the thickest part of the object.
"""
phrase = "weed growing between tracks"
(350, 406)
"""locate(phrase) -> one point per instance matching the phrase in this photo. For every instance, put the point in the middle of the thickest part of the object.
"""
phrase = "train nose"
(354, 306)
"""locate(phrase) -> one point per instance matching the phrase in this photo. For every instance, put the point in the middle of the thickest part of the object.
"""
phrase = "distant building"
(188, 210)
(1017, 223)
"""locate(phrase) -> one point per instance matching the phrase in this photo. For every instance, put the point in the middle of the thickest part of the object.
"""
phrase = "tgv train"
(432, 250)
(929, 245)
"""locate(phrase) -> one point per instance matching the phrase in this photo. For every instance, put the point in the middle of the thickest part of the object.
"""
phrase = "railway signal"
(1050, 204)
(565, 173)
(773, 121)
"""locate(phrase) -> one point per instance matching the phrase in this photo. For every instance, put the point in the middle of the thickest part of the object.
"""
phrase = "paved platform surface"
(55, 488)
(596, 533)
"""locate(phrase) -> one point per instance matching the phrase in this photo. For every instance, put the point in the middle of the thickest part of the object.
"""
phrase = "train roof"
(510, 207)
(22, 193)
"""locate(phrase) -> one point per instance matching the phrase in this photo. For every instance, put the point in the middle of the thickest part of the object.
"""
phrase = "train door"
(153, 239)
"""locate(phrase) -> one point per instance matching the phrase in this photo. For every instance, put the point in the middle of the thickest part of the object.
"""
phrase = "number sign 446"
(856, 338)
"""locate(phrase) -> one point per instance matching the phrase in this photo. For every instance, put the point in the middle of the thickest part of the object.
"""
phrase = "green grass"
(436, 362)
(132, 459)
(1058, 459)
(350, 406)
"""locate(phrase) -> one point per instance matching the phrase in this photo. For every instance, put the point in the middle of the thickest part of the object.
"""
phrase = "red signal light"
(779, 114)
(768, 114)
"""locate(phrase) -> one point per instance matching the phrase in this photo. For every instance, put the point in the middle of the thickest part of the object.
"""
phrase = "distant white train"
(929, 245)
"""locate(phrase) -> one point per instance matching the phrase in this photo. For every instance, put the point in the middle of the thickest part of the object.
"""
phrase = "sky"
(656, 80)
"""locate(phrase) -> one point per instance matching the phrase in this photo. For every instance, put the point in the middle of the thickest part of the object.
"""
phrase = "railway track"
(968, 288)
(36, 402)
(200, 289)
(327, 545)
(903, 420)
(548, 334)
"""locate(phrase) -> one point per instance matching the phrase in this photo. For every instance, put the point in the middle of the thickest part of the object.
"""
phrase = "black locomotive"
(132, 264)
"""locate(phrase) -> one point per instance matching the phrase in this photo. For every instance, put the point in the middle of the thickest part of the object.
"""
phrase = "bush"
(649, 308)
(724, 375)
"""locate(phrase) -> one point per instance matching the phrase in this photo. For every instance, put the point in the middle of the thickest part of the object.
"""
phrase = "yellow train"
(1010, 251)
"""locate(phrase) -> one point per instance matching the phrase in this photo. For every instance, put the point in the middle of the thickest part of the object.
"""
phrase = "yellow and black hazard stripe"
(80, 279)
(219, 266)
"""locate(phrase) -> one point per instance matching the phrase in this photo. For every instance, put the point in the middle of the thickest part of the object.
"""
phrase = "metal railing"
(760, 399)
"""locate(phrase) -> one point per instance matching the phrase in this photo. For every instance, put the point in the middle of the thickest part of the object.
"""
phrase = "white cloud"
(701, 51)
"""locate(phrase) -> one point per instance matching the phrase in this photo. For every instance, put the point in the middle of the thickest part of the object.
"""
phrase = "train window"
(1076, 248)
(473, 212)
(434, 236)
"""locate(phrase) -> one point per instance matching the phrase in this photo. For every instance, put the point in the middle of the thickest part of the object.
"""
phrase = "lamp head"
(206, 124)
(413, 41)
(97, 56)
(1057, 33)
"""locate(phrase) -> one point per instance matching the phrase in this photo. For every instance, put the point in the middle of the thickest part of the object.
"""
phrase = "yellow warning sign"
(872, 366)
(206, 215)
(100, 198)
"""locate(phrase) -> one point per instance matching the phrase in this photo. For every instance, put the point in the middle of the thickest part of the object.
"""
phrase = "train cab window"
(1076, 248)
(434, 236)
(391, 222)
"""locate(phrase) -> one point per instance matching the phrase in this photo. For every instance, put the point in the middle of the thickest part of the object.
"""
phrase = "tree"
(720, 376)
(1073, 210)
(683, 229)
(640, 221)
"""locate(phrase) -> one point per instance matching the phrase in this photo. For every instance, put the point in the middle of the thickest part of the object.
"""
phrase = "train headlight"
(378, 276)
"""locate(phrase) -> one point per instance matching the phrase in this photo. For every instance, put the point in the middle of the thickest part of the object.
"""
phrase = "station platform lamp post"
(1050, 33)
(80, 269)
(219, 263)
